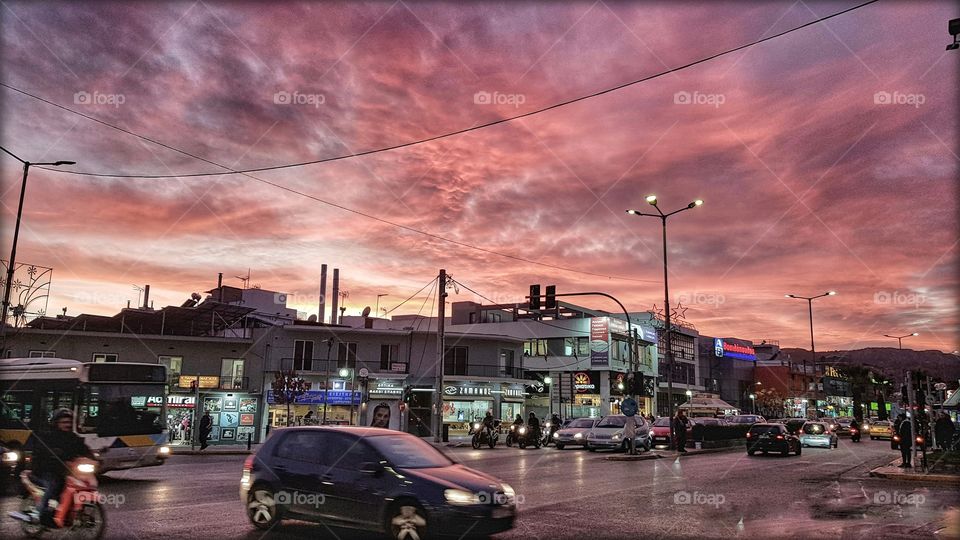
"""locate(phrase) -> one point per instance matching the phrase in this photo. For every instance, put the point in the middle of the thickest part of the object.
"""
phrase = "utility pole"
(911, 402)
(438, 392)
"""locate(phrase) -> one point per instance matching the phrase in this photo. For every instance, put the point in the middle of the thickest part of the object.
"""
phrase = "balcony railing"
(208, 382)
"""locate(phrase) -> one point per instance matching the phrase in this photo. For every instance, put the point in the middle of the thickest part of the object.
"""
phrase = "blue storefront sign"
(316, 397)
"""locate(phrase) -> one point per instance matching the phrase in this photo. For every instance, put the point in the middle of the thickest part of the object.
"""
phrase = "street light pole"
(813, 350)
(667, 332)
(900, 338)
(11, 264)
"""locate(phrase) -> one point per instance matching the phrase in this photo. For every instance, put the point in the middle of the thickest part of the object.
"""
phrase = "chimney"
(146, 296)
(220, 287)
(323, 291)
(336, 295)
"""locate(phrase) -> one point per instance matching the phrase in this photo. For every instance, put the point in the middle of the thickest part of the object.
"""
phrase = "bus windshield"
(109, 409)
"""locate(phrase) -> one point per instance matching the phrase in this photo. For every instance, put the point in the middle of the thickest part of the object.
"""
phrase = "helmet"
(60, 414)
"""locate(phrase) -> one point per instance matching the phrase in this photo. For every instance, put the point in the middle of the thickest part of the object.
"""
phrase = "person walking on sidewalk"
(629, 435)
(206, 426)
(906, 444)
(680, 423)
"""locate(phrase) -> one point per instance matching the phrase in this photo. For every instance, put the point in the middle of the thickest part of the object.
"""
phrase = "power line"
(434, 137)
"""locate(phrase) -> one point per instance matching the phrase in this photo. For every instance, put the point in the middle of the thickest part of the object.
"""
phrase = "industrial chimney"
(323, 291)
(336, 295)
(146, 296)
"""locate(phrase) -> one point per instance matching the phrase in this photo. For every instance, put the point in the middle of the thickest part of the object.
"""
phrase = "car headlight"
(164, 450)
(556, 434)
(578, 435)
(11, 457)
(87, 468)
(459, 497)
(509, 492)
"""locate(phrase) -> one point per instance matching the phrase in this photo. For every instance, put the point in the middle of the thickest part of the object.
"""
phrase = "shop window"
(231, 373)
(347, 355)
(43, 354)
(455, 361)
(302, 355)
(388, 355)
(104, 357)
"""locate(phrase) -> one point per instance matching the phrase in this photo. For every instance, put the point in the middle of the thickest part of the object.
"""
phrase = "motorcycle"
(512, 435)
(548, 433)
(529, 436)
(78, 511)
(483, 435)
(854, 434)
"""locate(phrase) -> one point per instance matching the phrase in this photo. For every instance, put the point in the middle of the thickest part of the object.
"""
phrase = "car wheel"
(407, 520)
(751, 452)
(798, 449)
(559, 446)
(522, 444)
(590, 448)
(262, 509)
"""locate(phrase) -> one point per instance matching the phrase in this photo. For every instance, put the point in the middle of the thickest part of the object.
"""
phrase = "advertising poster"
(383, 414)
(229, 419)
(246, 419)
(230, 404)
(213, 404)
(228, 434)
(248, 405)
(244, 433)
(599, 341)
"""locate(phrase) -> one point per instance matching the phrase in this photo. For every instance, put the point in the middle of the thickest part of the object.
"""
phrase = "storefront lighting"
(548, 380)
(344, 372)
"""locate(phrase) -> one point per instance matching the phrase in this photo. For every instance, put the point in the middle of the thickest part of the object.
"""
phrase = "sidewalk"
(216, 450)
(892, 471)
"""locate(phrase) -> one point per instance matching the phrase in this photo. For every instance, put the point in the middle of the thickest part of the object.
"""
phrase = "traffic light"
(534, 297)
(407, 393)
(551, 302)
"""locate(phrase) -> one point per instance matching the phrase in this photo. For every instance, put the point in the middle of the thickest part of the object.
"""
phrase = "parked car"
(574, 433)
(608, 433)
(769, 437)
(880, 429)
(373, 479)
(745, 419)
(660, 432)
(818, 434)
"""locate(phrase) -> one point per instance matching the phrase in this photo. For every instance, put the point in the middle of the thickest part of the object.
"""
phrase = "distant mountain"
(892, 362)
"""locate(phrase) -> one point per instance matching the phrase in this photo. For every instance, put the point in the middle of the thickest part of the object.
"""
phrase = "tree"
(770, 402)
(860, 379)
(287, 387)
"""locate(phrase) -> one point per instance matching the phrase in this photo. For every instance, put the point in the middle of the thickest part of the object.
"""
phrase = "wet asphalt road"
(578, 494)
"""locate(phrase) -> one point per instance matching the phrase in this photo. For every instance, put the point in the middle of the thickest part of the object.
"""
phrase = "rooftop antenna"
(244, 279)
(139, 290)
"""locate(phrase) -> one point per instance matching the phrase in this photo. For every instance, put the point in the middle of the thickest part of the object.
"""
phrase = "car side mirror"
(371, 467)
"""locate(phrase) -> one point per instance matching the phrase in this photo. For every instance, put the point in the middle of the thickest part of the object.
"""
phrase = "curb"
(639, 457)
(890, 473)
(213, 453)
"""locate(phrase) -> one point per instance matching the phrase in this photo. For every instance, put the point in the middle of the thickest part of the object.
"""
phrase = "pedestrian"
(629, 435)
(944, 430)
(185, 428)
(206, 426)
(680, 423)
(906, 443)
(308, 418)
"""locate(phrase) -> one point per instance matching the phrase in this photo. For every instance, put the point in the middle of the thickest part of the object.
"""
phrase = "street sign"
(364, 372)
(629, 407)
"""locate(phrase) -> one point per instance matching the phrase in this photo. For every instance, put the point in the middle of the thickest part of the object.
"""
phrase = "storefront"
(835, 406)
(465, 402)
(619, 389)
(316, 407)
(587, 401)
(537, 394)
(234, 414)
(511, 402)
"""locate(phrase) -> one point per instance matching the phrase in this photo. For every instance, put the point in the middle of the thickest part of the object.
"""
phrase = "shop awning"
(952, 402)
(707, 402)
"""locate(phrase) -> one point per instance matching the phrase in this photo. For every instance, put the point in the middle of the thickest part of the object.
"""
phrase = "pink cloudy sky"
(809, 183)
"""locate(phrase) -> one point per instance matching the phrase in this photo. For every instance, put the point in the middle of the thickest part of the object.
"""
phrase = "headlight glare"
(460, 497)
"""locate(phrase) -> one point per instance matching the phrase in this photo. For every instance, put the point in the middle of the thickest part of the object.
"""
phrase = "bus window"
(17, 408)
(50, 401)
(121, 409)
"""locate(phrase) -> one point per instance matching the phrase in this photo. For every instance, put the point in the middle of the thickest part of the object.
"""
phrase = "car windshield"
(409, 452)
(612, 422)
(706, 421)
(662, 422)
(744, 419)
(581, 423)
(814, 429)
(772, 430)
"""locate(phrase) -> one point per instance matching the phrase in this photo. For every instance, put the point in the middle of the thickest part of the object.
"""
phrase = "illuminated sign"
(723, 348)
(181, 402)
(465, 390)
(206, 381)
(584, 382)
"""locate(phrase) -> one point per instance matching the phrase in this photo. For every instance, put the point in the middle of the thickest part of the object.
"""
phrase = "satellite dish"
(366, 312)
(312, 318)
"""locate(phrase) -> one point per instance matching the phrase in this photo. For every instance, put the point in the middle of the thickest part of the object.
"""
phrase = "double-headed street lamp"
(652, 199)
(900, 338)
(813, 350)
(11, 265)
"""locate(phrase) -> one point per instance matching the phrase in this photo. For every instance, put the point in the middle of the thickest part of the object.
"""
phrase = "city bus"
(119, 408)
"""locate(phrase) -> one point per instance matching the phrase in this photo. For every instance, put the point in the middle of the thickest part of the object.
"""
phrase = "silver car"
(818, 434)
(574, 433)
(608, 433)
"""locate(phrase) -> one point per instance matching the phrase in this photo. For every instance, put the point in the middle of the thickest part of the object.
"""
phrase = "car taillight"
(920, 440)
(779, 437)
(749, 434)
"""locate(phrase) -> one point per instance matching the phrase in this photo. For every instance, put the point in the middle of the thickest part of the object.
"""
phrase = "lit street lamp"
(813, 350)
(548, 380)
(689, 395)
(652, 199)
(900, 338)
(753, 402)
(11, 264)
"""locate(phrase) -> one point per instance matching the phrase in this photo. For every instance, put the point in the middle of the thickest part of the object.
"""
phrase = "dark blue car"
(371, 479)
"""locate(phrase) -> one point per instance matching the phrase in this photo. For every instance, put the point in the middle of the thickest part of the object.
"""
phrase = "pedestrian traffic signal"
(534, 297)
(551, 302)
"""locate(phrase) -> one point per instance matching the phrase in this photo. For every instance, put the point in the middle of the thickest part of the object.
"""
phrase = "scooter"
(78, 511)
(512, 435)
(551, 428)
(482, 435)
(854, 435)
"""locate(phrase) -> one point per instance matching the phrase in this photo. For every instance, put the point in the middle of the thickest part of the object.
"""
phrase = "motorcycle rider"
(855, 430)
(488, 423)
(533, 424)
(554, 427)
(52, 451)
